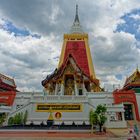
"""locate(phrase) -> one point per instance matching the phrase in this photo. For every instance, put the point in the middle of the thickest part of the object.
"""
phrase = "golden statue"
(69, 88)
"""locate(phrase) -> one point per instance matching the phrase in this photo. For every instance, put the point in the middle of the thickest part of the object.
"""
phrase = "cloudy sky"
(31, 37)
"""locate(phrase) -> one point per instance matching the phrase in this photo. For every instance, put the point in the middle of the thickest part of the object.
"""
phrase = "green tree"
(92, 119)
(2, 118)
(101, 117)
(15, 118)
(21, 118)
(25, 117)
(11, 121)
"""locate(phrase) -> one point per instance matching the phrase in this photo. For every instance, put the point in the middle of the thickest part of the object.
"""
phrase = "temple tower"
(76, 44)
(75, 74)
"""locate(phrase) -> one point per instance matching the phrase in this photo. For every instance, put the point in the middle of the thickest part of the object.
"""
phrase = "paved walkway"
(116, 134)
(53, 134)
(45, 138)
(45, 135)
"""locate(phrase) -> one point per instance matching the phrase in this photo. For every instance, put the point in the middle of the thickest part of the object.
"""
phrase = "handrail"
(20, 109)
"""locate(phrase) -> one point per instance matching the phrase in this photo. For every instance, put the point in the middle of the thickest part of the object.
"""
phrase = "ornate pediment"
(133, 79)
(69, 69)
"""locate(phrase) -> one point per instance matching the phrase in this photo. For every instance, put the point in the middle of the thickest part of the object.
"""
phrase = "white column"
(84, 89)
(62, 89)
(123, 119)
(45, 93)
(56, 89)
(75, 88)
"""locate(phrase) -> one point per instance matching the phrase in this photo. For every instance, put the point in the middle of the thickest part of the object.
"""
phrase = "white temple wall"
(67, 117)
(29, 101)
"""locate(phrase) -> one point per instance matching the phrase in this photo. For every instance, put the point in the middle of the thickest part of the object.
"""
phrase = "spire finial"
(76, 9)
(76, 15)
(76, 27)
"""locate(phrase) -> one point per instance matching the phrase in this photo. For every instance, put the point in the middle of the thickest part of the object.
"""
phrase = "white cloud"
(116, 54)
(25, 58)
(138, 30)
(136, 17)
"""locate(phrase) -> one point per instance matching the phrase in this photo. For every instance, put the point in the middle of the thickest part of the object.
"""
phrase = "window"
(80, 92)
(18, 107)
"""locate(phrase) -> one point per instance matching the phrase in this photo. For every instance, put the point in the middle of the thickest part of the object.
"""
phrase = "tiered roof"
(6, 83)
(60, 71)
(133, 80)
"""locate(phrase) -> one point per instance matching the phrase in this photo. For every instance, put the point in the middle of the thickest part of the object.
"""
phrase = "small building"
(7, 93)
(129, 95)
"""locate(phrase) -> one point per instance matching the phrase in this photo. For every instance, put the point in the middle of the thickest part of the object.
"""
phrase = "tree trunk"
(100, 128)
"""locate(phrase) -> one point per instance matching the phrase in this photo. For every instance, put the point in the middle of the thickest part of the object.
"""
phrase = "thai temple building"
(129, 95)
(7, 93)
(72, 90)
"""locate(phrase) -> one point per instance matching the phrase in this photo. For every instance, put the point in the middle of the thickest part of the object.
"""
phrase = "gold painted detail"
(71, 36)
(69, 88)
(90, 63)
(69, 69)
(59, 107)
(134, 78)
(50, 118)
(62, 53)
(51, 88)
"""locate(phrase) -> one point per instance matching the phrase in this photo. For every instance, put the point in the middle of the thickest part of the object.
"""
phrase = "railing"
(99, 95)
(20, 109)
(59, 98)
(52, 97)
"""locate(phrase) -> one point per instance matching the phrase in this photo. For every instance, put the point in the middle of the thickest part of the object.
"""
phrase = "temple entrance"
(128, 114)
(69, 85)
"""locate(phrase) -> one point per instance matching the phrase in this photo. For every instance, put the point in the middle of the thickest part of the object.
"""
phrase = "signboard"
(124, 97)
(59, 108)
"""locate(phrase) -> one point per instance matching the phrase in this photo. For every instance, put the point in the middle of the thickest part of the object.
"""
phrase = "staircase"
(22, 109)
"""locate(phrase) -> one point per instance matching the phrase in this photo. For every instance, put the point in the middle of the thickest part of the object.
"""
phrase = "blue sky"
(18, 31)
(31, 37)
(131, 23)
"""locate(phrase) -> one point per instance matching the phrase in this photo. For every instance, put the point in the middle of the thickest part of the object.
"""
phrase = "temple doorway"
(129, 113)
(69, 85)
